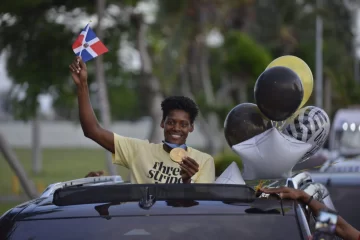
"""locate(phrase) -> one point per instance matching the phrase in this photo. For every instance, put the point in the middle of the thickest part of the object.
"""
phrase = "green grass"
(6, 206)
(58, 165)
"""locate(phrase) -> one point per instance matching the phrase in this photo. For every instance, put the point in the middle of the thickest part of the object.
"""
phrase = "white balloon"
(231, 175)
(311, 125)
(270, 155)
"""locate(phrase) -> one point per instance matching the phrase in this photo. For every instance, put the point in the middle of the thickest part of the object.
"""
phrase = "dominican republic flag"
(88, 45)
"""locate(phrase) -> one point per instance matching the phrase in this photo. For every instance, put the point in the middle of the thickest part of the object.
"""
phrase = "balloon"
(231, 175)
(311, 125)
(319, 192)
(278, 93)
(270, 155)
(300, 68)
(243, 122)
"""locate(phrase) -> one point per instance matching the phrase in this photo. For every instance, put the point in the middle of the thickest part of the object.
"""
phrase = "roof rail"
(89, 181)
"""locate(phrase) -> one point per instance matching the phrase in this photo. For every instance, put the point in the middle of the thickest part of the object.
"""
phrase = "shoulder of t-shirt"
(204, 156)
(136, 141)
(119, 137)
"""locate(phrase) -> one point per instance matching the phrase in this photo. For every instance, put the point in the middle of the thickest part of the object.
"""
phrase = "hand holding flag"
(88, 45)
(78, 71)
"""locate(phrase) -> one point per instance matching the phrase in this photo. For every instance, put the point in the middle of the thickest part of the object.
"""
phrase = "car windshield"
(350, 140)
(207, 227)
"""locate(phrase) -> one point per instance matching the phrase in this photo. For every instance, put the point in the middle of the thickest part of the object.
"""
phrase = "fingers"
(90, 174)
(284, 192)
(77, 65)
(189, 167)
(183, 174)
(188, 170)
(191, 163)
(74, 67)
(80, 62)
(274, 190)
(95, 174)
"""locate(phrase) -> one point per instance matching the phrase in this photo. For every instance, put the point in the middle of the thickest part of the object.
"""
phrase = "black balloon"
(278, 93)
(244, 122)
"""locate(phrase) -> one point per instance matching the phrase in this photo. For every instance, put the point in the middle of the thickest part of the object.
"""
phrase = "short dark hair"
(181, 103)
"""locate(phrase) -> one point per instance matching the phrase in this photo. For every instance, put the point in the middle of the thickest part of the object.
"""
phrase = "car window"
(206, 227)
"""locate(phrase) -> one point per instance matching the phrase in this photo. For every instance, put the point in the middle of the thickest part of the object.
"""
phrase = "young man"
(343, 229)
(148, 162)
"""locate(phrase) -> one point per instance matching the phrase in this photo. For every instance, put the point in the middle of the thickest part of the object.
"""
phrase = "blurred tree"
(101, 82)
(178, 59)
(15, 165)
(289, 28)
(38, 51)
(150, 85)
(244, 60)
(34, 72)
(31, 28)
(206, 74)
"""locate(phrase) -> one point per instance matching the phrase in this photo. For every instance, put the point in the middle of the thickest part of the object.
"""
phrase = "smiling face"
(177, 126)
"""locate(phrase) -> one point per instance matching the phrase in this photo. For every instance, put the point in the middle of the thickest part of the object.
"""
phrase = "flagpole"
(86, 31)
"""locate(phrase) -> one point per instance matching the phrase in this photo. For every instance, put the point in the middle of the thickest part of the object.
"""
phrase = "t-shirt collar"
(173, 145)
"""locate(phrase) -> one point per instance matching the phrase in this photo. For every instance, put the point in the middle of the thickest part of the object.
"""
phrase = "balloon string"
(279, 125)
(319, 166)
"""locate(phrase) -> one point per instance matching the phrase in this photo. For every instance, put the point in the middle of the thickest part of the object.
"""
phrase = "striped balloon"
(311, 125)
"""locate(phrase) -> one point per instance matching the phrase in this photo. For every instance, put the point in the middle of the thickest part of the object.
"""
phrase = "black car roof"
(46, 210)
(169, 207)
(204, 220)
(123, 199)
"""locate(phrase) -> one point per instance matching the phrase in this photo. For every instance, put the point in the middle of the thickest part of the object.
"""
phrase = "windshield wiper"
(159, 192)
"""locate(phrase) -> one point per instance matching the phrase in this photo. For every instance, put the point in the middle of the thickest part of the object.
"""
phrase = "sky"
(149, 9)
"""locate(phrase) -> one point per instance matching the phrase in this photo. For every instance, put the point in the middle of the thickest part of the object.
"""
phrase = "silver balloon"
(310, 125)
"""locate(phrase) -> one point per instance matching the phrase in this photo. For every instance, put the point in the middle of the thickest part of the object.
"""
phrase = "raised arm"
(88, 120)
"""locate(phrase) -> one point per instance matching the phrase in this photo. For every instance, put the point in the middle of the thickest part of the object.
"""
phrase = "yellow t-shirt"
(150, 163)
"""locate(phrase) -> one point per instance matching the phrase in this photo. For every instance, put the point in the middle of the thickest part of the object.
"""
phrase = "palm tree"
(102, 88)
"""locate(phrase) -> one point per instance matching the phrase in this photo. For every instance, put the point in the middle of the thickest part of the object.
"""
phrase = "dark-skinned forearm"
(88, 120)
(343, 229)
(315, 206)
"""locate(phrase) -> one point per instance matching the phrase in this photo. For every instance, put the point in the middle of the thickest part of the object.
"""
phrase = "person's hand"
(285, 192)
(78, 71)
(95, 174)
(189, 167)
